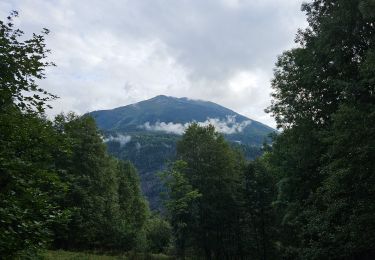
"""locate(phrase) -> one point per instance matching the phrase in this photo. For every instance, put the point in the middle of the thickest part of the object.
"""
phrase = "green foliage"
(313, 80)
(28, 176)
(258, 226)
(213, 171)
(150, 151)
(66, 255)
(28, 182)
(345, 198)
(57, 181)
(91, 179)
(133, 207)
(158, 234)
(310, 196)
(323, 98)
(104, 196)
(22, 63)
(181, 204)
(219, 207)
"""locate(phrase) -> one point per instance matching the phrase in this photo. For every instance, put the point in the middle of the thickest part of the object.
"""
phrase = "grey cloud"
(178, 48)
(214, 40)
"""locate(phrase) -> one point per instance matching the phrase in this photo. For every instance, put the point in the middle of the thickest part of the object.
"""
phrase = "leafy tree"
(91, 175)
(313, 80)
(213, 169)
(259, 225)
(181, 204)
(22, 63)
(28, 183)
(28, 175)
(108, 209)
(57, 179)
(133, 207)
(158, 234)
(341, 218)
(323, 99)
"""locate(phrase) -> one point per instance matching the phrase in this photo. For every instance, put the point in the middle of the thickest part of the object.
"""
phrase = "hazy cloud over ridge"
(122, 139)
(225, 126)
(113, 53)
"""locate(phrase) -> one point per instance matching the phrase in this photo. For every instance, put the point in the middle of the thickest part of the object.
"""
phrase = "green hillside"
(146, 133)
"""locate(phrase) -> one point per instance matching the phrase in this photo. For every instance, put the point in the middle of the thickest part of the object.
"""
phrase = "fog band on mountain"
(122, 139)
(225, 126)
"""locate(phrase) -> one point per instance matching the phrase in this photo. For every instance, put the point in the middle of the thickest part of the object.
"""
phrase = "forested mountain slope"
(146, 133)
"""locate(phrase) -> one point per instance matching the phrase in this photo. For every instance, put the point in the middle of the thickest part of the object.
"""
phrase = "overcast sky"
(116, 52)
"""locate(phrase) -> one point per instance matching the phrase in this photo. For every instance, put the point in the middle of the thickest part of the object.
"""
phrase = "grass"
(66, 255)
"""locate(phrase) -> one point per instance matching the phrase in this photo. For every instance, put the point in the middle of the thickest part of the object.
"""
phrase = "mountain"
(170, 114)
(146, 133)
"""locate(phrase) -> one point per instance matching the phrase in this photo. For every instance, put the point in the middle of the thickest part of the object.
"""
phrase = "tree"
(104, 198)
(93, 190)
(57, 180)
(213, 169)
(341, 219)
(133, 206)
(22, 63)
(181, 205)
(28, 175)
(28, 184)
(158, 234)
(313, 80)
(259, 216)
(323, 99)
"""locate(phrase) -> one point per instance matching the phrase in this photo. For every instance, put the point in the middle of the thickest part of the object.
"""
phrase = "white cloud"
(225, 126)
(228, 126)
(122, 139)
(170, 127)
(114, 53)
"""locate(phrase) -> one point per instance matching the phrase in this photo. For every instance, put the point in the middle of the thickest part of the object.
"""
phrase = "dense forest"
(310, 195)
(146, 134)
(59, 187)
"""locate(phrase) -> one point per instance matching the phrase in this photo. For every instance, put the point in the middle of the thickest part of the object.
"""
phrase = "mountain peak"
(171, 115)
(171, 99)
(160, 97)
